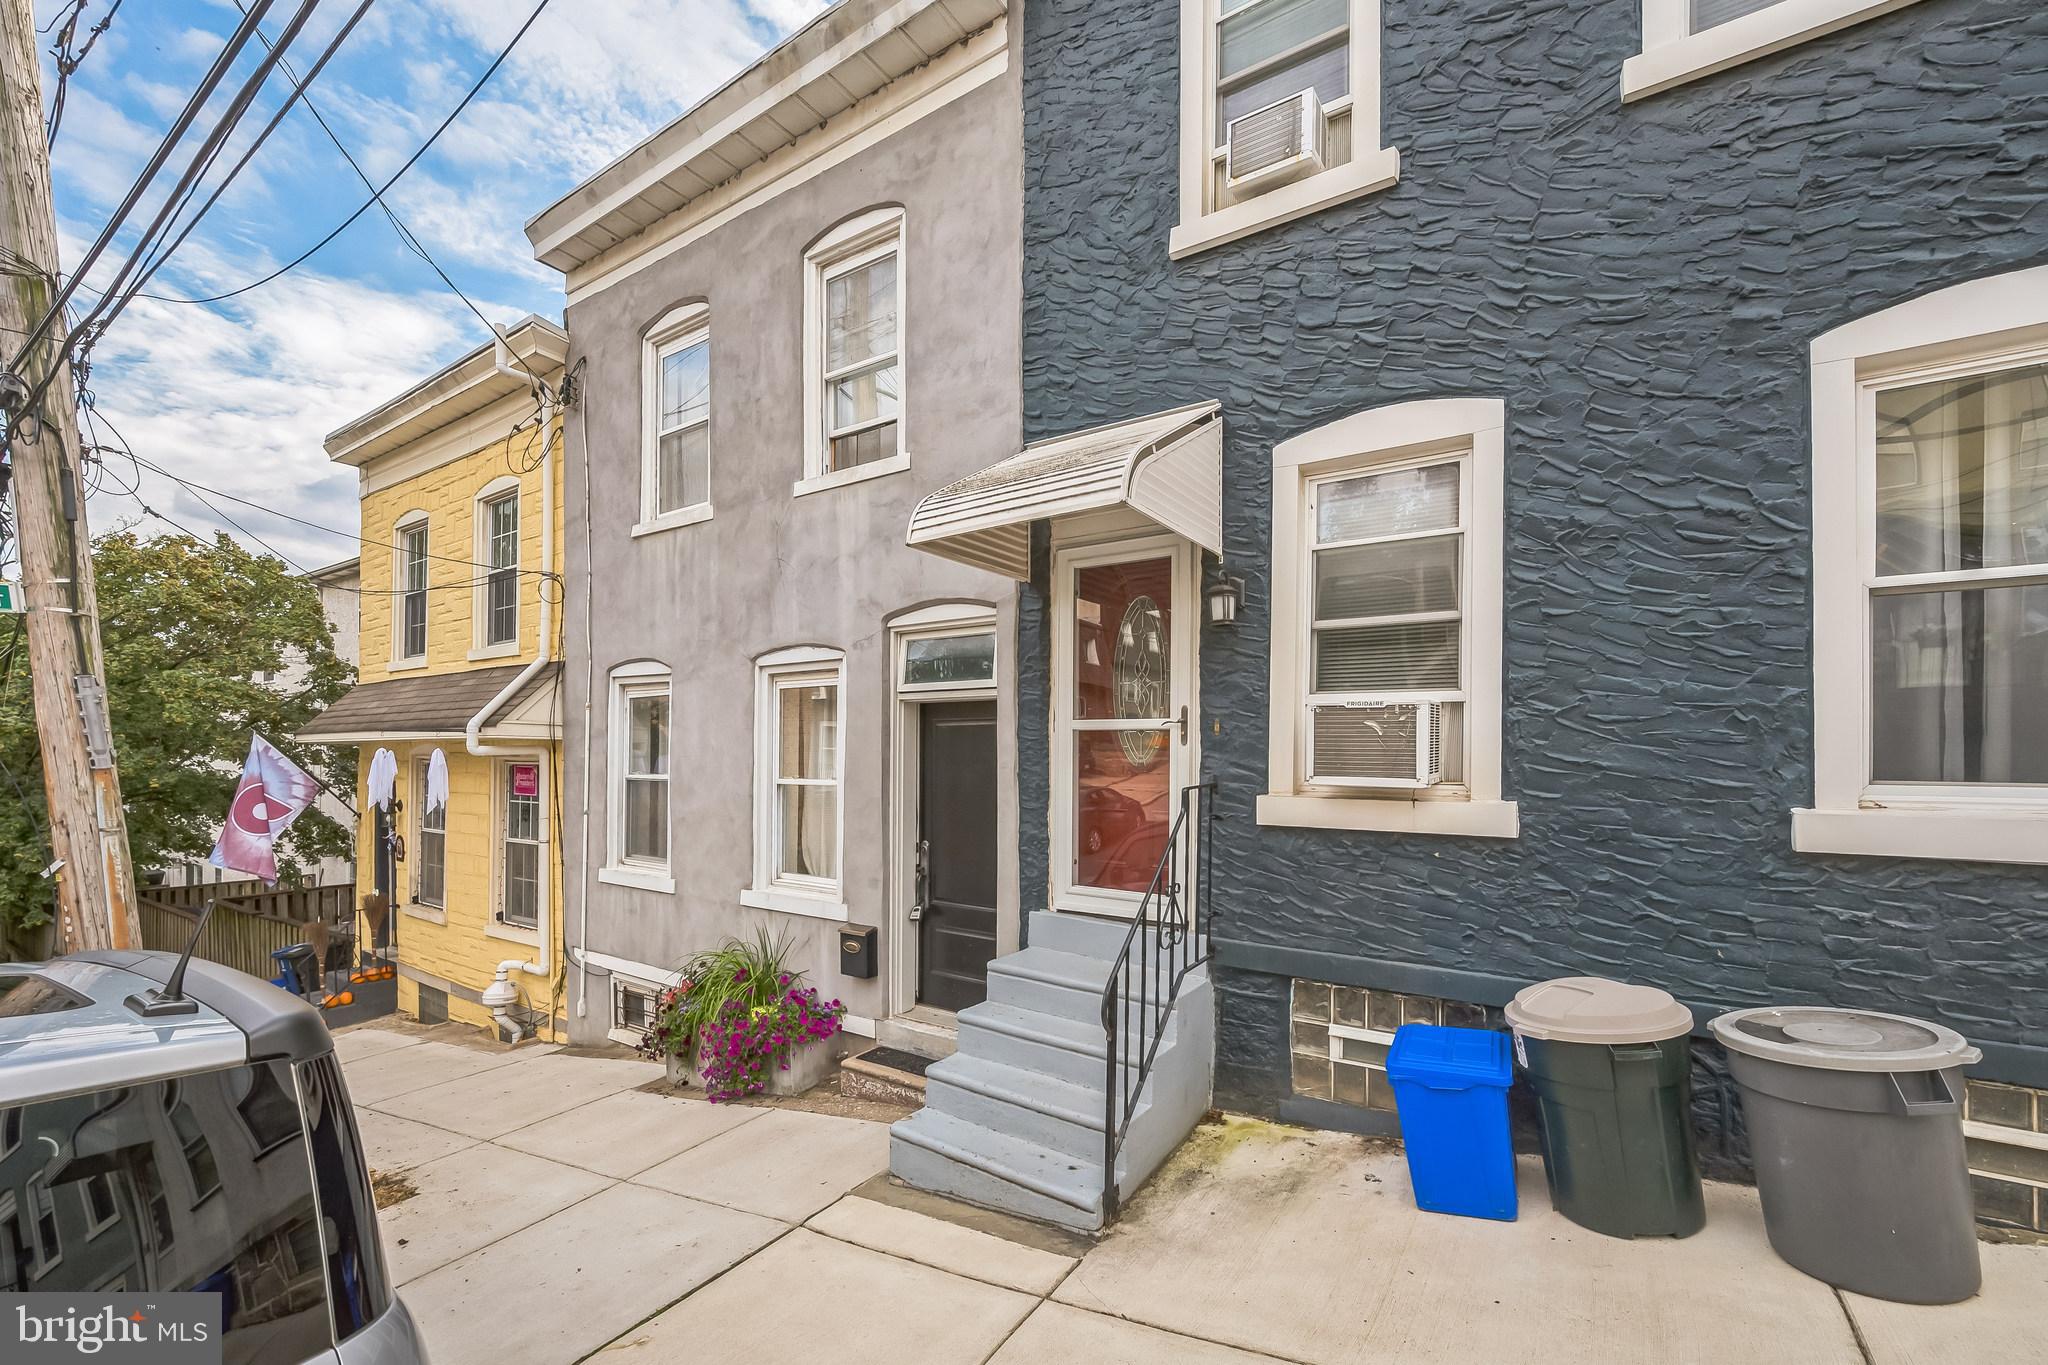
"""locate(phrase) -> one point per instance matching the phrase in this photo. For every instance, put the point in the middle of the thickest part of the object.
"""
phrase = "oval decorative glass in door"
(1123, 706)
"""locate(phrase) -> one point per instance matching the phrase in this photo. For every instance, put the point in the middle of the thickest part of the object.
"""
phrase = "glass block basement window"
(1339, 1036)
(2005, 1130)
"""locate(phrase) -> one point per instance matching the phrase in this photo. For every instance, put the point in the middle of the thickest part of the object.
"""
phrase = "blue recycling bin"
(1451, 1086)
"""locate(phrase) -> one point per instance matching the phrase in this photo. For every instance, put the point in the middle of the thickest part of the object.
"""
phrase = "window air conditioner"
(1276, 144)
(1394, 744)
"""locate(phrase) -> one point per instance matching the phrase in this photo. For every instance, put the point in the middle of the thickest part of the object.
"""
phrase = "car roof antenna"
(172, 998)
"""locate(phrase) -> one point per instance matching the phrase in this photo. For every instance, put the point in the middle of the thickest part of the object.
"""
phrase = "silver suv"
(148, 1147)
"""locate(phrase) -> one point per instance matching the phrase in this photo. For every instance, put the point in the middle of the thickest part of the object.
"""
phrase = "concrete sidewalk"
(558, 1213)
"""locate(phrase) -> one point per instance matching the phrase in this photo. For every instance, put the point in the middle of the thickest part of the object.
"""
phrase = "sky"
(237, 396)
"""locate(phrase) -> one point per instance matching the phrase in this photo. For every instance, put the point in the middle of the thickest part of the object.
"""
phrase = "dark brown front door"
(957, 825)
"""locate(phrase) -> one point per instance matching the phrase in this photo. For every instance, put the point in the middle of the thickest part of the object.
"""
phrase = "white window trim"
(1672, 55)
(874, 233)
(679, 328)
(1379, 437)
(416, 788)
(399, 659)
(1371, 167)
(1982, 321)
(480, 647)
(94, 1226)
(638, 679)
(819, 898)
(497, 926)
(631, 1037)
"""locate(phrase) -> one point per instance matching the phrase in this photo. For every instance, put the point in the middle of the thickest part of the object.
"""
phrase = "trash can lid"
(1592, 1009)
(1843, 1039)
(1450, 1058)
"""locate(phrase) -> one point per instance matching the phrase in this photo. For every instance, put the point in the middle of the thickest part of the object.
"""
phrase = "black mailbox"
(857, 951)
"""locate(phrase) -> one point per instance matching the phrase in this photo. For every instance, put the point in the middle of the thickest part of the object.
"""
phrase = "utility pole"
(88, 828)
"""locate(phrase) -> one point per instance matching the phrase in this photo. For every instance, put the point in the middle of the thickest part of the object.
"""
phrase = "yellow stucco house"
(460, 643)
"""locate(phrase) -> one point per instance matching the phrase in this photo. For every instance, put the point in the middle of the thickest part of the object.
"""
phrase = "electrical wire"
(68, 61)
(182, 124)
(376, 195)
(297, 93)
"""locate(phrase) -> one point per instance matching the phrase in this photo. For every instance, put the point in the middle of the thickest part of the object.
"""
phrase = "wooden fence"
(245, 929)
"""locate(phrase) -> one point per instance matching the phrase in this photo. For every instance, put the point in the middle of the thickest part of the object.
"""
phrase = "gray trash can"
(1855, 1123)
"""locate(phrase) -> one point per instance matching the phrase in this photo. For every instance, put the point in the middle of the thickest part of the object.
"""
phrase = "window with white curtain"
(1930, 578)
(1959, 581)
(640, 756)
(799, 763)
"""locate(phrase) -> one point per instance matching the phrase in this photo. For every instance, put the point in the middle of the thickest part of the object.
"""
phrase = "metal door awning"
(1168, 467)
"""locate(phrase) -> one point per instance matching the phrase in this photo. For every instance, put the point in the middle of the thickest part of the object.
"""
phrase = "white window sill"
(1363, 174)
(505, 651)
(644, 878)
(512, 933)
(1471, 819)
(670, 521)
(430, 913)
(793, 903)
(405, 666)
(1955, 835)
(874, 469)
(627, 1036)
(1784, 24)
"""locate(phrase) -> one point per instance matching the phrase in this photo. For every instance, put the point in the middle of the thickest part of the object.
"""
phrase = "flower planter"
(809, 1064)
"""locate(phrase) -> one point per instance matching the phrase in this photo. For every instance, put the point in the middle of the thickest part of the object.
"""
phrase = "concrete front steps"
(1013, 1120)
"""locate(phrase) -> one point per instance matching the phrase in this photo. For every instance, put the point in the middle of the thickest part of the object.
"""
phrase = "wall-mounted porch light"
(1225, 596)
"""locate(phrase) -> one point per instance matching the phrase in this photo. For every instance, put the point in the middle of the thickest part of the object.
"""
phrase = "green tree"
(187, 628)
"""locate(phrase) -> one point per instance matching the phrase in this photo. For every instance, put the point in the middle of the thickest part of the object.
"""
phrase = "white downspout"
(501, 991)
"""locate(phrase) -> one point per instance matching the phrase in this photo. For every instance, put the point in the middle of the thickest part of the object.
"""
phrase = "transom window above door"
(853, 347)
(675, 472)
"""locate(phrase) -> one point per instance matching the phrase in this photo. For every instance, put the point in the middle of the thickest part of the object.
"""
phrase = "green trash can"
(1611, 1067)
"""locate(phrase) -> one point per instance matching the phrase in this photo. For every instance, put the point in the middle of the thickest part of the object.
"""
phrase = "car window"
(193, 1184)
(356, 1277)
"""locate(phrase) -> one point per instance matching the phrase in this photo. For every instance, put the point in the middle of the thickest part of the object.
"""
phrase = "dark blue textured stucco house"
(1642, 402)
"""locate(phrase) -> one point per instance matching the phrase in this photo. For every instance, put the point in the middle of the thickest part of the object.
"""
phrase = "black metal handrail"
(1146, 975)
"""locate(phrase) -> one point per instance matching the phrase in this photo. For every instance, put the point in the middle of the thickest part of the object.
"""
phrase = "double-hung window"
(798, 827)
(430, 857)
(1387, 609)
(1386, 694)
(854, 352)
(1280, 114)
(412, 591)
(522, 840)
(1684, 40)
(500, 534)
(1930, 506)
(639, 787)
(675, 471)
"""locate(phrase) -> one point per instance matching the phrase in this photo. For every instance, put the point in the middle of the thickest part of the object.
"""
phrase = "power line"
(298, 91)
(207, 85)
(376, 195)
(68, 61)
(197, 488)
